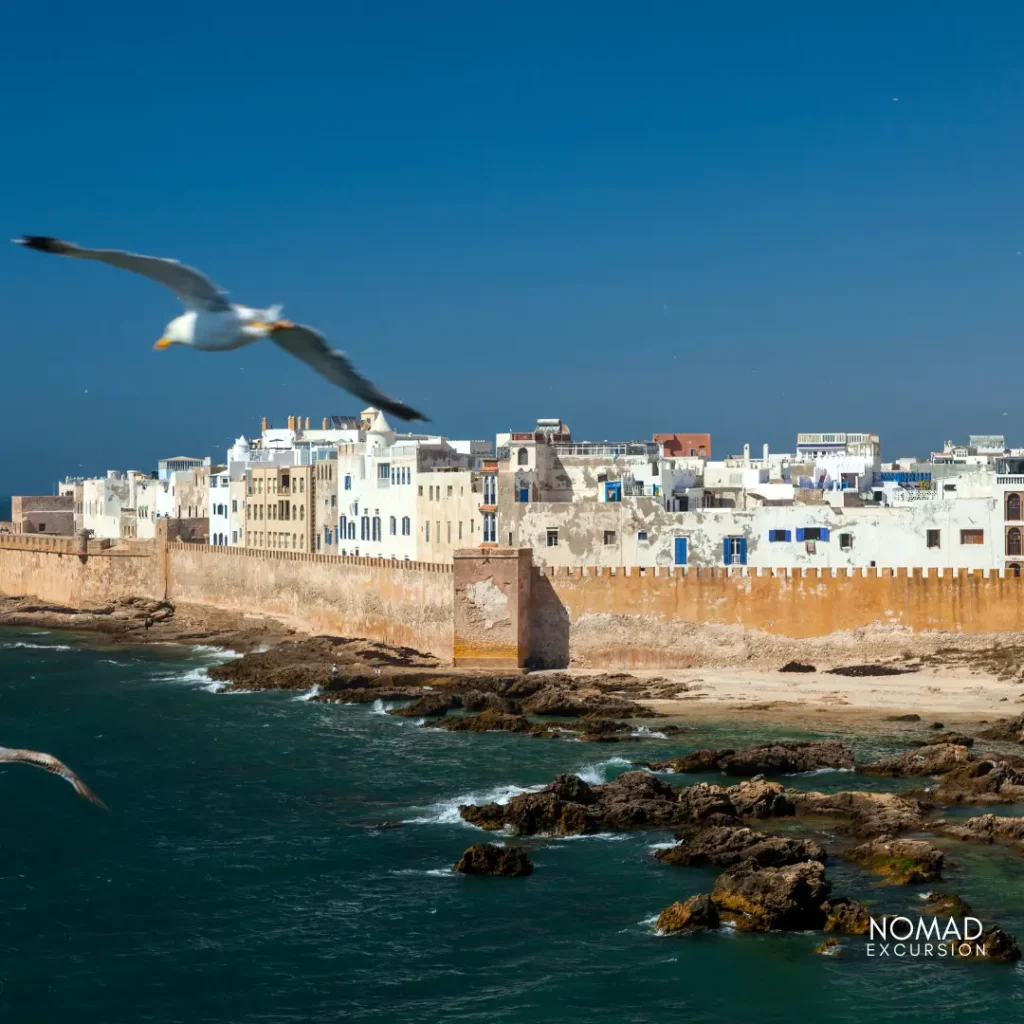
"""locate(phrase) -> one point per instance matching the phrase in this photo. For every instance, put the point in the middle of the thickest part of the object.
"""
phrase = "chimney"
(263, 424)
(307, 423)
(291, 422)
(746, 455)
(764, 454)
(325, 423)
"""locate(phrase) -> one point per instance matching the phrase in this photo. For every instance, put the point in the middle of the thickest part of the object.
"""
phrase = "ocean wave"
(446, 812)
(428, 872)
(380, 708)
(642, 732)
(596, 774)
(314, 691)
(662, 846)
(818, 771)
(608, 837)
(39, 647)
(213, 651)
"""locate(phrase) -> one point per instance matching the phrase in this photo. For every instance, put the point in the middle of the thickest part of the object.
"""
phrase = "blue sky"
(639, 217)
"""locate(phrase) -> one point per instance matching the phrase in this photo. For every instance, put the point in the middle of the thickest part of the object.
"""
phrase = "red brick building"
(685, 444)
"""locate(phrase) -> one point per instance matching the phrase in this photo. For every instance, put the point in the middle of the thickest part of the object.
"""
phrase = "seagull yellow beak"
(163, 343)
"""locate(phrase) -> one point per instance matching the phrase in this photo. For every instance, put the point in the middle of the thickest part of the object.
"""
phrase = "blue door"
(524, 494)
(680, 551)
(613, 491)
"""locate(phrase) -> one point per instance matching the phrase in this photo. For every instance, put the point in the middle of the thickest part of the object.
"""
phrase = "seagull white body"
(212, 324)
(50, 764)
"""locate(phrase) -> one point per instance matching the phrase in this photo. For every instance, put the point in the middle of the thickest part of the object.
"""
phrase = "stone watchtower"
(492, 607)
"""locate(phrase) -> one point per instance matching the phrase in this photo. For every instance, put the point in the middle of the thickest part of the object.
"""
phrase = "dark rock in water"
(724, 846)
(980, 782)
(899, 861)
(556, 701)
(764, 899)
(937, 725)
(697, 913)
(864, 814)
(488, 859)
(997, 945)
(847, 916)
(1010, 730)
(478, 700)
(829, 947)
(429, 705)
(944, 905)
(933, 759)
(486, 721)
(961, 739)
(870, 670)
(787, 758)
(903, 718)
(698, 761)
(756, 798)
(797, 666)
(986, 828)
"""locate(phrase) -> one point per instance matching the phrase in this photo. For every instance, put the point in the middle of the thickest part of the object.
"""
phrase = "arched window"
(1013, 546)
(352, 530)
(364, 528)
(1013, 507)
(302, 513)
(523, 456)
(406, 526)
(348, 482)
(393, 525)
(376, 527)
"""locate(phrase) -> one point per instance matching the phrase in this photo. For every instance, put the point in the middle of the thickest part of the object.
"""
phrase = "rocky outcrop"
(756, 798)
(705, 760)
(488, 859)
(486, 721)
(984, 781)
(863, 814)
(429, 705)
(985, 828)
(724, 846)
(870, 670)
(695, 914)
(559, 702)
(828, 947)
(933, 759)
(945, 905)
(479, 700)
(787, 758)
(997, 945)
(847, 917)
(764, 899)
(959, 738)
(899, 861)
(1010, 730)
(797, 666)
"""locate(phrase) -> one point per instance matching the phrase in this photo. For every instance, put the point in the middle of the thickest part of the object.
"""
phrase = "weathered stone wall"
(76, 573)
(672, 617)
(491, 607)
(404, 603)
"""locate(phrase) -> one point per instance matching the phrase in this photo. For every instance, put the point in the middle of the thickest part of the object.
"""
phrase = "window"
(343, 526)
(234, 504)
(393, 526)
(523, 457)
(972, 536)
(641, 536)
(302, 485)
(613, 491)
(437, 532)
(420, 490)
(384, 471)
(1014, 568)
(302, 513)
(449, 526)
(609, 536)
(490, 490)
(812, 533)
(778, 536)
(552, 538)
(679, 551)
(376, 527)
(845, 541)
(460, 529)
(734, 550)
(449, 492)
(523, 495)
(348, 482)
(364, 528)
(934, 538)
(426, 531)
(490, 528)
(406, 526)
(1013, 506)
(1013, 545)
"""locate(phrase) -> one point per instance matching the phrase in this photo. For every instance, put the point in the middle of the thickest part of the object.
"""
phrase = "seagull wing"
(49, 763)
(193, 288)
(311, 347)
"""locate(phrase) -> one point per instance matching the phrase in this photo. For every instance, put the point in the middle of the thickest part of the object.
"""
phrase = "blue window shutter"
(824, 533)
(799, 533)
(772, 535)
(743, 551)
(725, 552)
(787, 535)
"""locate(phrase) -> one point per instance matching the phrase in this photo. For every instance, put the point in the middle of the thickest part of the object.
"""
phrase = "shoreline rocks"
(725, 845)
(899, 861)
(930, 759)
(757, 899)
(489, 859)
(695, 914)
(786, 758)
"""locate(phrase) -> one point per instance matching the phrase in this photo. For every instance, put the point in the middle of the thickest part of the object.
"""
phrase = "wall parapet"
(747, 572)
(287, 555)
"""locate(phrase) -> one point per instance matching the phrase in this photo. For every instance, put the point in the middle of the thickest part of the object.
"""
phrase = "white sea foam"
(596, 774)
(39, 647)
(380, 708)
(648, 734)
(661, 846)
(212, 651)
(819, 771)
(314, 691)
(420, 872)
(610, 837)
(446, 812)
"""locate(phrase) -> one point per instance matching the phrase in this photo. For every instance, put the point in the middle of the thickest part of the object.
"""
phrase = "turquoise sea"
(268, 859)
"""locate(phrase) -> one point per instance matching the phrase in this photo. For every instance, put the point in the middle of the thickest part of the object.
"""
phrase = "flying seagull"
(213, 324)
(51, 764)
